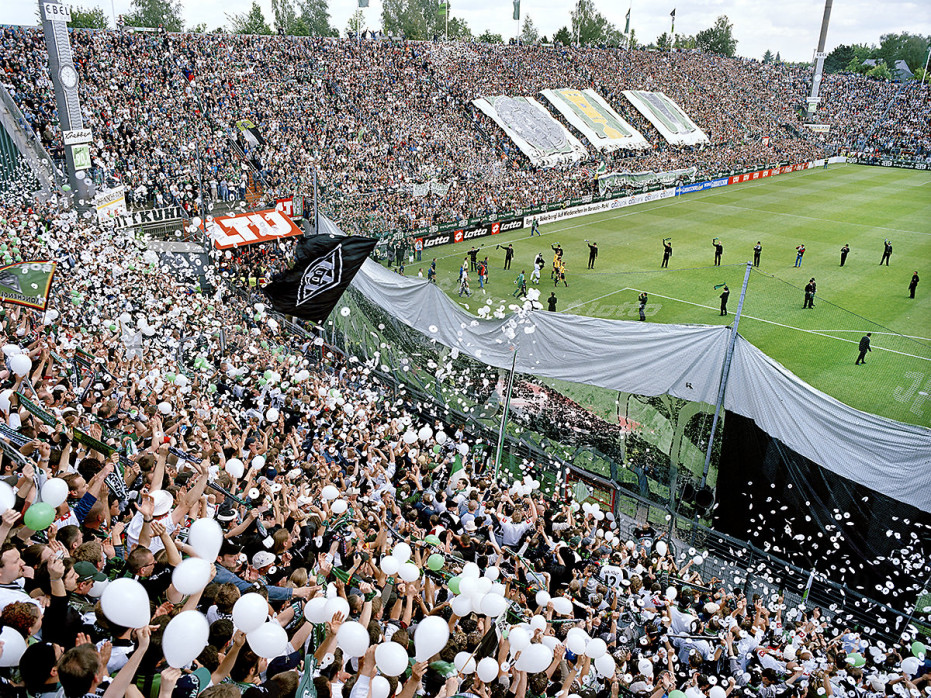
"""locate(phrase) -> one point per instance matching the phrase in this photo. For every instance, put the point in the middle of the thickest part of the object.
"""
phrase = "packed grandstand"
(200, 499)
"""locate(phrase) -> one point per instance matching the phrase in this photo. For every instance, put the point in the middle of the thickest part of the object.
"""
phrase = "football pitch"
(822, 209)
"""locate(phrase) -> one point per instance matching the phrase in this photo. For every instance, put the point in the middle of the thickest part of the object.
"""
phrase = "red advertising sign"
(285, 206)
(250, 229)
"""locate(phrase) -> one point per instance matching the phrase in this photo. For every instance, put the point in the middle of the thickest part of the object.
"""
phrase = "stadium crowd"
(374, 118)
(276, 519)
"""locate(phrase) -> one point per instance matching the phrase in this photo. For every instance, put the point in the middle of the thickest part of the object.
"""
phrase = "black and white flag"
(325, 266)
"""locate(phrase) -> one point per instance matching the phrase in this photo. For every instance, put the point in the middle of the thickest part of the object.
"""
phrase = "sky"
(790, 27)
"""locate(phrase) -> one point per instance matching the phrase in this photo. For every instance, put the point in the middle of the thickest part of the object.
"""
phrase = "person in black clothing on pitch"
(473, 262)
(508, 255)
(643, 304)
(757, 251)
(592, 253)
(718, 251)
(844, 251)
(551, 302)
(887, 252)
(864, 347)
(810, 294)
(667, 253)
(724, 296)
(913, 285)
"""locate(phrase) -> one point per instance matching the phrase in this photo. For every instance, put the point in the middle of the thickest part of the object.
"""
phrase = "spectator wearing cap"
(85, 575)
(38, 669)
(228, 564)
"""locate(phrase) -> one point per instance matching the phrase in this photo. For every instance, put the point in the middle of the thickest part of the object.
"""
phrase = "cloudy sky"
(789, 26)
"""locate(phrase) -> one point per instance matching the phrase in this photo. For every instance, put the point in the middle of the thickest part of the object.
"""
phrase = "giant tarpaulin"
(596, 120)
(667, 116)
(544, 141)
(680, 360)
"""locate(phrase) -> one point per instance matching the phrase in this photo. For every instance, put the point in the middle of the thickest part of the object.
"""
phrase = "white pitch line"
(759, 319)
(891, 334)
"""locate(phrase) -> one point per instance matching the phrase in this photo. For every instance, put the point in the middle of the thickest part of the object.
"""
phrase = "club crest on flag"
(323, 275)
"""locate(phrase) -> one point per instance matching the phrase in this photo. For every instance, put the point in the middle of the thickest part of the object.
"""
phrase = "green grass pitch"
(823, 209)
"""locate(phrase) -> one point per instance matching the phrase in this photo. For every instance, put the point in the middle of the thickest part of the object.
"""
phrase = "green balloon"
(856, 659)
(432, 539)
(435, 562)
(112, 327)
(268, 374)
(676, 694)
(919, 650)
(39, 516)
(262, 382)
(170, 377)
(453, 585)
(437, 448)
(212, 388)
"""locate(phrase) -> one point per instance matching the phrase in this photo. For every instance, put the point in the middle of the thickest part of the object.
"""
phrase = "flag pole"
(504, 416)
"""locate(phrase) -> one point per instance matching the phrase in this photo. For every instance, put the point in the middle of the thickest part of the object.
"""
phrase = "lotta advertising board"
(770, 172)
(472, 233)
(250, 229)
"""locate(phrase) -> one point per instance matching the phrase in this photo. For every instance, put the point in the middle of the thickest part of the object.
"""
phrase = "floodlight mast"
(813, 98)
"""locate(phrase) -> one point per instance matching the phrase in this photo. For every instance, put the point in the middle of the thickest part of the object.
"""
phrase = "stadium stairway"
(22, 146)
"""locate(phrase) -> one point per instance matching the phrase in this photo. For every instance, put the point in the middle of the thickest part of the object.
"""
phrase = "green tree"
(880, 71)
(768, 56)
(778, 57)
(88, 18)
(632, 40)
(419, 20)
(459, 29)
(911, 48)
(199, 28)
(251, 22)
(529, 33)
(314, 19)
(685, 41)
(854, 66)
(356, 23)
(562, 37)
(662, 41)
(591, 27)
(285, 15)
(920, 74)
(718, 38)
(152, 13)
(487, 37)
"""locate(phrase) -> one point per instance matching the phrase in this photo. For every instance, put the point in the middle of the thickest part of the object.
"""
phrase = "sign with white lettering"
(77, 136)
(56, 12)
(250, 229)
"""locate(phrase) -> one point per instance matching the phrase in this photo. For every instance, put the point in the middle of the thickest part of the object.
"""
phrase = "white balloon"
(430, 637)
(534, 659)
(463, 449)
(164, 407)
(645, 667)
(402, 552)
(483, 584)
(409, 436)
(337, 605)
(235, 468)
(251, 610)
(461, 605)
(391, 659)
(537, 623)
(206, 537)
(543, 598)
(192, 575)
(13, 647)
(425, 433)
(272, 414)
(492, 573)
(329, 492)
(258, 462)
(20, 364)
(464, 663)
(353, 639)
(494, 605)
(5, 400)
(661, 547)
(441, 437)
(596, 648)
(487, 670)
(54, 491)
(339, 506)
(576, 644)
(562, 606)
(910, 665)
(470, 569)
(605, 665)
(409, 572)
(315, 610)
(96, 591)
(126, 603)
(519, 639)
(380, 687)
(390, 565)
(717, 692)
(671, 593)
(185, 637)
(269, 640)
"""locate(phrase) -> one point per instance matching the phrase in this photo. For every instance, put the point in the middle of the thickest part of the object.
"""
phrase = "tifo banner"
(110, 204)
(596, 120)
(440, 189)
(250, 228)
(326, 265)
(27, 283)
(667, 117)
(618, 180)
(539, 136)
(155, 215)
(421, 190)
(250, 132)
